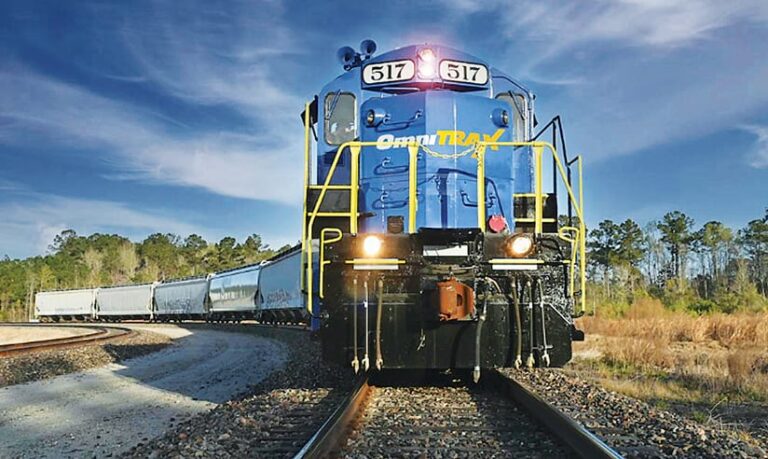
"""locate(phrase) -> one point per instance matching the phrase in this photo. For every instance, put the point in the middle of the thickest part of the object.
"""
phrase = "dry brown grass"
(715, 354)
(648, 319)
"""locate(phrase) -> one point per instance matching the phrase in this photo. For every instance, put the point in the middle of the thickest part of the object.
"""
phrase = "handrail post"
(311, 223)
(413, 201)
(480, 156)
(306, 192)
(583, 243)
(354, 180)
(538, 226)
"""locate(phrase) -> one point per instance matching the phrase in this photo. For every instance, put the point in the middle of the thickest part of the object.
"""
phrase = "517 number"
(463, 72)
(386, 72)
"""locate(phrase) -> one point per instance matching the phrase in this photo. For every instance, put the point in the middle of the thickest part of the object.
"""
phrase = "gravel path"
(10, 334)
(273, 421)
(39, 365)
(634, 428)
(105, 411)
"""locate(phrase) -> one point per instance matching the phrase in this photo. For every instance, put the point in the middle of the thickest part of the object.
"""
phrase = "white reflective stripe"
(515, 267)
(446, 250)
(377, 267)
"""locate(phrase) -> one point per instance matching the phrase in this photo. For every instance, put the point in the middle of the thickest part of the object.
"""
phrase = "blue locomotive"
(429, 240)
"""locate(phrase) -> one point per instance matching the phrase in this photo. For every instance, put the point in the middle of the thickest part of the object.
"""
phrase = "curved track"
(493, 419)
(98, 333)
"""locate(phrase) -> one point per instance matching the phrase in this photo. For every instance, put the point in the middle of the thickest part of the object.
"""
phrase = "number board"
(463, 72)
(387, 72)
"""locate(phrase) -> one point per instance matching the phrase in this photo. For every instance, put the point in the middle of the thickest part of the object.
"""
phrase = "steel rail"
(98, 334)
(583, 442)
(328, 438)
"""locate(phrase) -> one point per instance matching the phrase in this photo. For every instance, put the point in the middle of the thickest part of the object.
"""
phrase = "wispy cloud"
(254, 166)
(656, 23)
(636, 74)
(31, 220)
(208, 56)
(759, 156)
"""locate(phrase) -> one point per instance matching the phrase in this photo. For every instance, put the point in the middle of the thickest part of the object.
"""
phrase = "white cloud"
(759, 156)
(211, 55)
(636, 74)
(204, 54)
(31, 220)
(657, 23)
(260, 167)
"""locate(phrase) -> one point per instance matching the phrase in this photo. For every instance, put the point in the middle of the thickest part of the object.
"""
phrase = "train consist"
(268, 292)
(430, 239)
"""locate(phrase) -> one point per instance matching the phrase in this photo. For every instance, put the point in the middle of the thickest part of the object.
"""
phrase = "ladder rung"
(532, 220)
(330, 187)
(529, 195)
(330, 214)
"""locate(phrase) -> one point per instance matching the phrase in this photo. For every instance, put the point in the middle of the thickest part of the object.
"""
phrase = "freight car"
(184, 299)
(66, 304)
(269, 291)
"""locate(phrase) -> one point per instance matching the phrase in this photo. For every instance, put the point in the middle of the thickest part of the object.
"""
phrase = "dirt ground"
(692, 383)
(10, 334)
(103, 411)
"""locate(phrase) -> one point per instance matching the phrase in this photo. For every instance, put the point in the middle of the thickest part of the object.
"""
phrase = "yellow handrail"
(355, 148)
(538, 149)
(413, 202)
(576, 240)
(307, 148)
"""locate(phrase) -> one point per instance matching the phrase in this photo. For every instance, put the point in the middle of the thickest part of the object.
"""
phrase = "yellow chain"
(436, 154)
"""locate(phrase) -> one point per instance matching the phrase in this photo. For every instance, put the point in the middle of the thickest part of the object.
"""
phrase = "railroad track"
(451, 418)
(97, 334)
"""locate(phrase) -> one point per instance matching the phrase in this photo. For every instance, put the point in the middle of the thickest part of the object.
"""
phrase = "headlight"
(519, 246)
(370, 117)
(371, 246)
(427, 68)
(375, 116)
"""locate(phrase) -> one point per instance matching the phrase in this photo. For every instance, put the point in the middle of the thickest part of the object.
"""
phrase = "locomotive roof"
(411, 52)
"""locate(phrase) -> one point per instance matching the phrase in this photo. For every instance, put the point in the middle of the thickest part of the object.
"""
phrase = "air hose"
(529, 362)
(518, 327)
(479, 331)
(379, 359)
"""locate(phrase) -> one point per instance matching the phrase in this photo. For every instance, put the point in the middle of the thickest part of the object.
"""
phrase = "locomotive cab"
(434, 243)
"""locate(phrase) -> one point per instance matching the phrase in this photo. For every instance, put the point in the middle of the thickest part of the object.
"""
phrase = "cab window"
(516, 104)
(340, 118)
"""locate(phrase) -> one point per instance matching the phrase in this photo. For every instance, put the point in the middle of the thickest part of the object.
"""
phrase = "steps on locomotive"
(334, 209)
(525, 212)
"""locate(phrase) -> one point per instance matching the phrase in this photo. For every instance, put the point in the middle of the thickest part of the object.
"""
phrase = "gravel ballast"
(279, 414)
(103, 412)
(447, 419)
(34, 366)
(275, 419)
(633, 427)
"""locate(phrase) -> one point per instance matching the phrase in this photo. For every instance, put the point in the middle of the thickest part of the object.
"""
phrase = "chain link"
(436, 154)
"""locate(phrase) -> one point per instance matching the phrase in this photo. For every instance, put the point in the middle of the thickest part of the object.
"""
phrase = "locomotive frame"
(388, 310)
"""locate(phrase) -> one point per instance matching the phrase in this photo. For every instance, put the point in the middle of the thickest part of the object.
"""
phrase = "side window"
(340, 118)
(516, 104)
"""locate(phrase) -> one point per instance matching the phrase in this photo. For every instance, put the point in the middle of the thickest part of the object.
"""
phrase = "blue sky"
(146, 116)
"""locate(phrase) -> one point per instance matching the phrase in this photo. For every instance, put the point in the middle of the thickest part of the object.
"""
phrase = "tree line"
(702, 269)
(75, 261)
